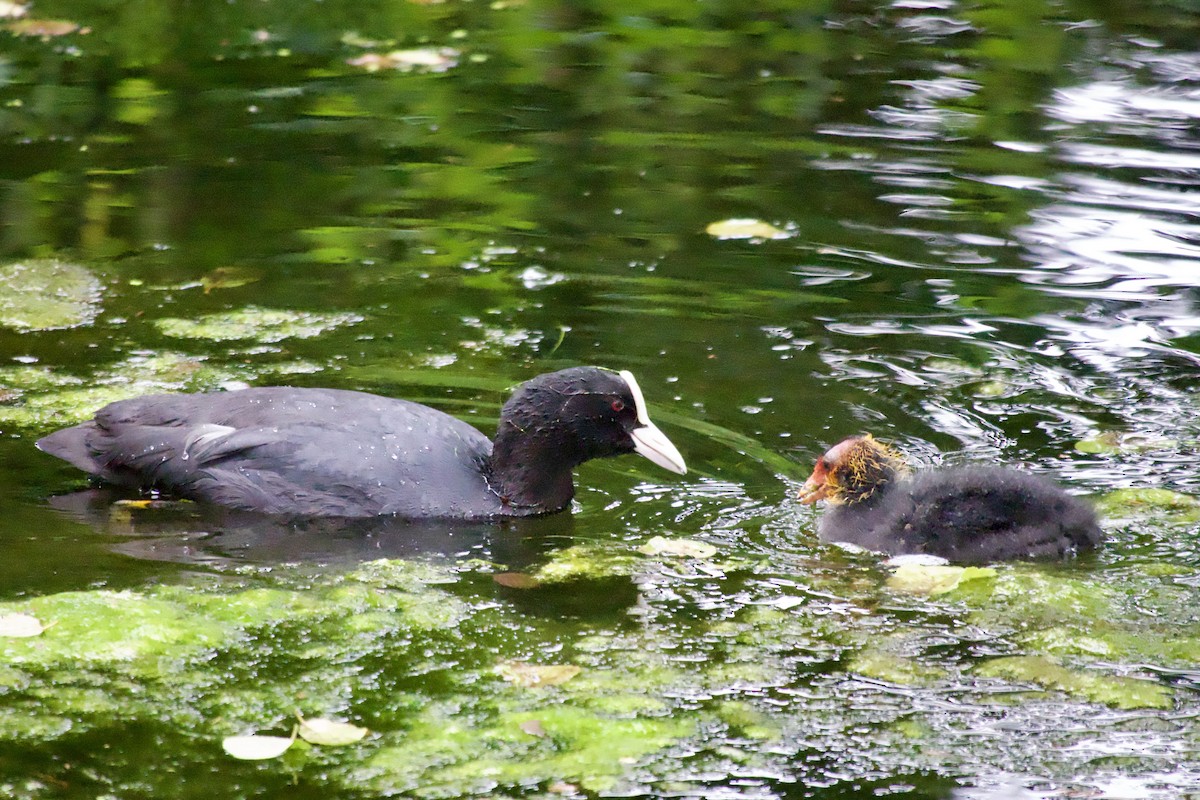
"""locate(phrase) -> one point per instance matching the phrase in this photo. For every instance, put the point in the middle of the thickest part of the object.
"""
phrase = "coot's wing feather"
(323, 469)
(317, 451)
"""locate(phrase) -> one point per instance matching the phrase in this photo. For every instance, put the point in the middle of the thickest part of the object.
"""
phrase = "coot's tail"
(71, 445)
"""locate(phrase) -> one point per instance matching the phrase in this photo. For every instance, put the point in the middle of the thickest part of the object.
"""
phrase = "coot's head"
(851, 471)
(582, 413)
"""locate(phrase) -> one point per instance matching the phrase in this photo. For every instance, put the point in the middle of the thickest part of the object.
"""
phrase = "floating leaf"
(1174, 507)
(745, 229)
(536, 675)
(533, 727)
(990, 389)
(146, 504)
(20, 626)
(425, 59)
(934, 579)
(329, 733)
(45, 28)
(229, 278)
(516, 580)
(256, 748)
(44, 294)
(688, 548)
(1152, 498)
(1114, 442)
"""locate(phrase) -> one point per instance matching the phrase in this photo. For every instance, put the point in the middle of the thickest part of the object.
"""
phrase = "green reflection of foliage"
(140, 101)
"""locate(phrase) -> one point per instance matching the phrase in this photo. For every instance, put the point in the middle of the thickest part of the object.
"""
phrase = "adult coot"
(331, 452)
(964, 514)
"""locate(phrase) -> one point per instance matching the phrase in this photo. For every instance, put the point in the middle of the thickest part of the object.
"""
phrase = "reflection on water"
(191, 533)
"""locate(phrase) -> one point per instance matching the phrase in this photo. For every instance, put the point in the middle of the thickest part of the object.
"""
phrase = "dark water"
(985, 247)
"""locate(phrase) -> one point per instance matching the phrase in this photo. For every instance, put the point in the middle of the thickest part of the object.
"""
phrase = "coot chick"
(333, 452)
(965, 514)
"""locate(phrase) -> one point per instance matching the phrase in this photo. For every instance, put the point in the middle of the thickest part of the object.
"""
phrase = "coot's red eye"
(618, 405)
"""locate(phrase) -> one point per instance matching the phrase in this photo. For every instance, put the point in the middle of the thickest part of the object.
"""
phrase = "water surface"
(979, 240)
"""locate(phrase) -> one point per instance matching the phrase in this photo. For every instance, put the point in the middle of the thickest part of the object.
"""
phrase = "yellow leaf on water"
(151, 504)
(745, 229)
(134, 503)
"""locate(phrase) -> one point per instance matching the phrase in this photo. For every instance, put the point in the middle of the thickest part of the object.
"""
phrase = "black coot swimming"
(332, 452)
(965, 514)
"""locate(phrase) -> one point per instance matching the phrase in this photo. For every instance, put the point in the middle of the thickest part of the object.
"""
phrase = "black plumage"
(332, 452)
(964, 514)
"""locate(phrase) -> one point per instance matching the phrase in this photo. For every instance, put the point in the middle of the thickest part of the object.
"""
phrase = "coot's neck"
(531, 469)
(867, 496)
(870, 483)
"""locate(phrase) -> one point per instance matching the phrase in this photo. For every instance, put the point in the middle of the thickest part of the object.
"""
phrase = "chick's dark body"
(966, 515)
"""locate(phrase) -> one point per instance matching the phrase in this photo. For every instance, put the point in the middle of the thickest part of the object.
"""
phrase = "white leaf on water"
(256, 748)
(330, 733)
(20, 626)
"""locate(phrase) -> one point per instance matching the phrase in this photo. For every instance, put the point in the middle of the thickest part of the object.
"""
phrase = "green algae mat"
(437, 679)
